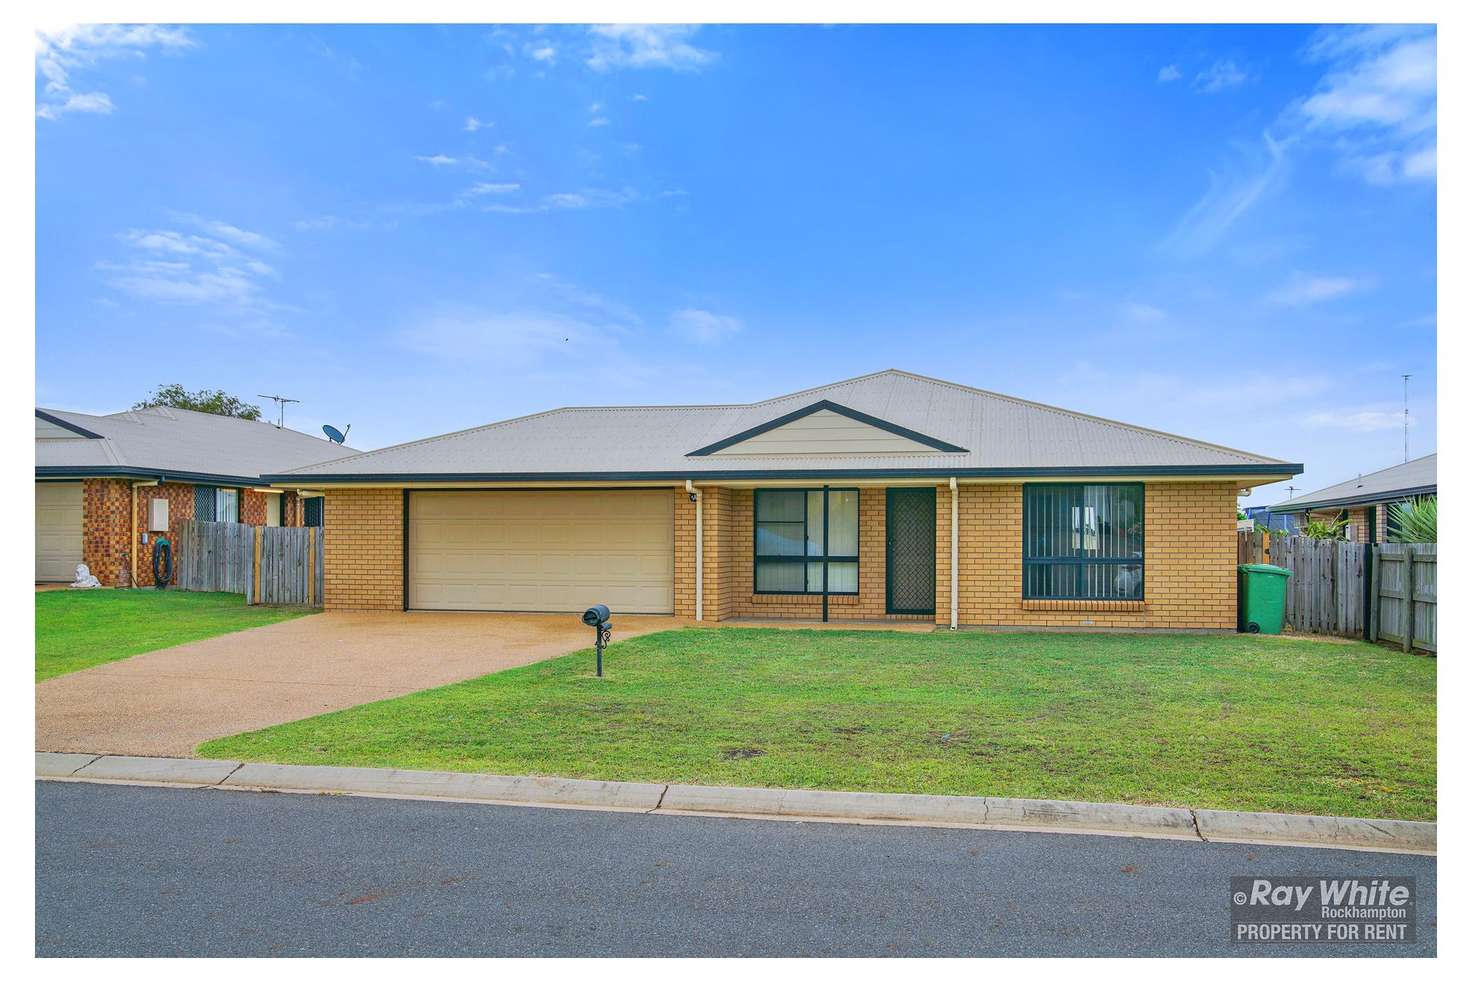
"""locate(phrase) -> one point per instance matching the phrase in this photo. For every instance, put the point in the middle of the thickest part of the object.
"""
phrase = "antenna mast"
(281, 402)
(1405, 418)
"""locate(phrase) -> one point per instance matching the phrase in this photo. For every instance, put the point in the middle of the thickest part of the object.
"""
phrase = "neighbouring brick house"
(1366, 502)
(107, 485)
(889, 496)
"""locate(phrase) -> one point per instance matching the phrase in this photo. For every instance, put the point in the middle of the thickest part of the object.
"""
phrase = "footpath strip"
(1015, 814)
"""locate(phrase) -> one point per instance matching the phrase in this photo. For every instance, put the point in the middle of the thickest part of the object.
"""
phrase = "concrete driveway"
(165, 703)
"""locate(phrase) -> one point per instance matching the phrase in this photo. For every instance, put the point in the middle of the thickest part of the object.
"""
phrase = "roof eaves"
(1313, 504)
(1121, 470)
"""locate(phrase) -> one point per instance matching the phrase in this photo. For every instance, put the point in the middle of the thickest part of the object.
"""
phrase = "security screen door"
(909, 524)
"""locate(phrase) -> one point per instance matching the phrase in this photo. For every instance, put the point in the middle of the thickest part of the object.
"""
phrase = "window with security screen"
(1083, 542)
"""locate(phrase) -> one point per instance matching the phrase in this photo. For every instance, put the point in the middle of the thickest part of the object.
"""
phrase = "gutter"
(1303, 504)
(183, 477)
(1278, 471)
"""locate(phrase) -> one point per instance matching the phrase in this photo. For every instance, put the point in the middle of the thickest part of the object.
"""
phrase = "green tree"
(215, 401)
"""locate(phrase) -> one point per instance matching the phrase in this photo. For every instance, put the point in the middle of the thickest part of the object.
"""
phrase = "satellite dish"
(334, 434)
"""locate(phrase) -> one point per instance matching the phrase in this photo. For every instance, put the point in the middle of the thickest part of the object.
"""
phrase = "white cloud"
(472, 124)
(436, 160)
(702, 326)
(62, 54)
(81, 102)
(638, 97)
(1169, 73)
(222, 270)
(1304, 289)
(646, 46)
(598, 121)
(1220, 76)
(1359, 420)
(1229, 196)
(231, 233)
(482, 188)
(1376, 104)
(543, 52)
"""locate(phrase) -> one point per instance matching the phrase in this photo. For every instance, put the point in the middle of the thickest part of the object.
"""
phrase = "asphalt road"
(158, 871)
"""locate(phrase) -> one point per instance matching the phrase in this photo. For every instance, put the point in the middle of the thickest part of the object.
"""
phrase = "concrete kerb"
(1018, 814)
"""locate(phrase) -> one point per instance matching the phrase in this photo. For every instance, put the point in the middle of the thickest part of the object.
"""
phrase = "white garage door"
(542, 550)
(58, 531)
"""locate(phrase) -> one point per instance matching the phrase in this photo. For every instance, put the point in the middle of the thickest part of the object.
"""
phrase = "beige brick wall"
(363, 542)
(1190, 562)
(729, 538)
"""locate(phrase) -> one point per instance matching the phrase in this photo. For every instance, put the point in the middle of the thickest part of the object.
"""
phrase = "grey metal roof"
(616, 442)
(177, 441)
(1414, 477)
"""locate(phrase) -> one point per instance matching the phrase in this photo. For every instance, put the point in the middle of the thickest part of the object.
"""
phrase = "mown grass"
(1245, 722)
(77, 629)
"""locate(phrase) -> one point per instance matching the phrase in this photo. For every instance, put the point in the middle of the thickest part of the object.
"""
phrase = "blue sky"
(1225, 232)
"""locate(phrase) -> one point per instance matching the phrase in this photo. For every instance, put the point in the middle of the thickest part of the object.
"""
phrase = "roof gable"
(826, 428)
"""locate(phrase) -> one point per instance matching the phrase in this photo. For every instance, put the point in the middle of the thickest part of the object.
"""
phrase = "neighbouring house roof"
(922, 426)
(1408, 480)
(173, 443)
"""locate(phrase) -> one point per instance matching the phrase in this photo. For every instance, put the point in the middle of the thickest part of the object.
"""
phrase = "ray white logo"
(1330, 893)
(1323, 908)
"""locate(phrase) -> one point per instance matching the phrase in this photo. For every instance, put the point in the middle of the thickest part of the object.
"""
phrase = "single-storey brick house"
(1365, 502)
(98, 478)
(889, 496)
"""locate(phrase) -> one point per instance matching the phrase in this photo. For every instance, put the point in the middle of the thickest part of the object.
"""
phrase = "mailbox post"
(597, 617)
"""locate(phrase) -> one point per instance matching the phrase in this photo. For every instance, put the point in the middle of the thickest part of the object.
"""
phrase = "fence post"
(1366, 590)
(311, 566)
(1408, 625)
(253, 593)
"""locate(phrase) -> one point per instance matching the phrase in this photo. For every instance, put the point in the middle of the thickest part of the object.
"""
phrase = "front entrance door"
(909, 528)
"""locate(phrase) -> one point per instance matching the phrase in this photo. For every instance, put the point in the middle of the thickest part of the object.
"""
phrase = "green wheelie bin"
(1260, 592)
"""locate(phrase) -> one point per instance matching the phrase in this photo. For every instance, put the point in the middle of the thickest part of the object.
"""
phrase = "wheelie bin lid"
(1264, 568)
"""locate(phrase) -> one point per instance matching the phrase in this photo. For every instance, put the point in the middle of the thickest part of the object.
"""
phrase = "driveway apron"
(166, 703)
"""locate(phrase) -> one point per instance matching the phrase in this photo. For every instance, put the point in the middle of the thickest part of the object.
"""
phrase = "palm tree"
(1412, 521)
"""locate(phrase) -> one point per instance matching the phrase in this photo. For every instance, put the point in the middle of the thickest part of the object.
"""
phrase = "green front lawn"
(1246, 722)
(76, 629)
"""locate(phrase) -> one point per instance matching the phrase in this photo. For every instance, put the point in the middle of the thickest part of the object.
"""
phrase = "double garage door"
(542, 550)
(58, 531)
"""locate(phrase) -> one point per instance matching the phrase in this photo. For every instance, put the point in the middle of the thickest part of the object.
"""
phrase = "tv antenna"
(281, 402)
(334, 434)
(1291, 489)
(1405, 417)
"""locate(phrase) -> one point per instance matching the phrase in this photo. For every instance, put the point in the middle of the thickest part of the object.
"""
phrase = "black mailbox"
(596, 617)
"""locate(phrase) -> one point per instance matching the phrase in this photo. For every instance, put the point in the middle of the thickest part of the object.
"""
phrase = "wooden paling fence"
(1353, 590)
(1326, 593)
(267, 564)
(213, 557)
(1405, 593)
(1254, 547)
